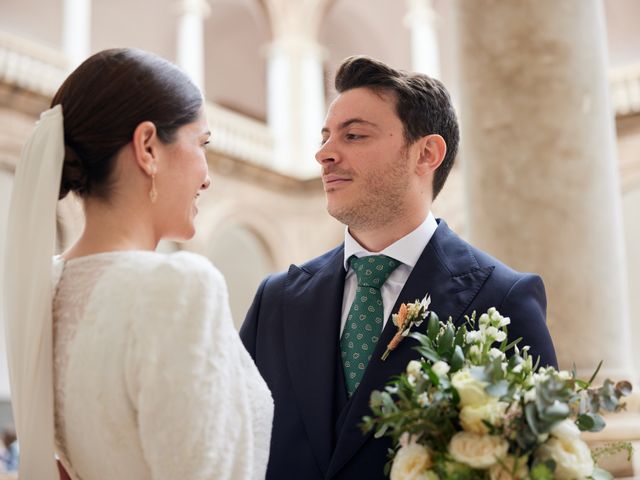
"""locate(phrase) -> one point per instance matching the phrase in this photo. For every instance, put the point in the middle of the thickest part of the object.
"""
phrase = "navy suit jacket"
(292, 331)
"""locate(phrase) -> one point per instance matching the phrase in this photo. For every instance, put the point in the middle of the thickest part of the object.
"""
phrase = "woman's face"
(181, 176)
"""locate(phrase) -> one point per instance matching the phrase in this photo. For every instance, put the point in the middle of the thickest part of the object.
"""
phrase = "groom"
(317, 332)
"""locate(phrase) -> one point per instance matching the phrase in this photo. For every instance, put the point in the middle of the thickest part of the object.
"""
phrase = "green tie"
(364, 322)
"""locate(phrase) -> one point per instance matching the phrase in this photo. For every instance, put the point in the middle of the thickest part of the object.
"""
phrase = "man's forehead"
(361, 106)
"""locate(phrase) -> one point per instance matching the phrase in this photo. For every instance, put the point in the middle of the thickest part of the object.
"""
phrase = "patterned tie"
(364, 322)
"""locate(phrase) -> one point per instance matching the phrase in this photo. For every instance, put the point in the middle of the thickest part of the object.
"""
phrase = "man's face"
(365, 167)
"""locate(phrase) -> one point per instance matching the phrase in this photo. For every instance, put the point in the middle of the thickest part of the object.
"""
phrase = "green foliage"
(425, 403)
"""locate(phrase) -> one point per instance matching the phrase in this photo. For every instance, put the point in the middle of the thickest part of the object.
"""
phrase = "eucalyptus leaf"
(499, 389)
(531, 415)
(590, 422)
(623, 388)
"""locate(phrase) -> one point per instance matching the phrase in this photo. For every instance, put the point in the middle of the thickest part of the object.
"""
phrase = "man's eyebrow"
(351, 121)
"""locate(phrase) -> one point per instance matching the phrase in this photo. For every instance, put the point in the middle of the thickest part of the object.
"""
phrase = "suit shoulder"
(320, 261)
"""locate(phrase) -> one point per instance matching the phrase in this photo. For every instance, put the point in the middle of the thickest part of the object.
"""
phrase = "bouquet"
(466, 411)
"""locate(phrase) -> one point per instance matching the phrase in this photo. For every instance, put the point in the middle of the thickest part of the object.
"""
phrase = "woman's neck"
(110, 228)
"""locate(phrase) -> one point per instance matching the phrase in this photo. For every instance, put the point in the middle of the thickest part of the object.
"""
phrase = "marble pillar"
(190, 41)
(295, 103)
(539, 157)
(76, 31)
(422, 22)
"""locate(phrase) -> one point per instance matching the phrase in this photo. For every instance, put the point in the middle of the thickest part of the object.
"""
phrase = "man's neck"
(377, 239)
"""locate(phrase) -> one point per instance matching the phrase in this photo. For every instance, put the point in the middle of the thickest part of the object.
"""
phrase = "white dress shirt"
(407, 250)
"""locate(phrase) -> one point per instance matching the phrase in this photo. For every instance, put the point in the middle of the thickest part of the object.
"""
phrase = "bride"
(127, 365)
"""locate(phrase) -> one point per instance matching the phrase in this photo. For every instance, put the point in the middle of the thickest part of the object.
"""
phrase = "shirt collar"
(406, 250)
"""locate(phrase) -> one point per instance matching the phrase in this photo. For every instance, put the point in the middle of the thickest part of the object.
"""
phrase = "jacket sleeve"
(249, 329)
(526, 305)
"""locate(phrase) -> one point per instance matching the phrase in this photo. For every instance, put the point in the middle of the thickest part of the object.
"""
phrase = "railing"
(30, 65)
(37, 68)
(239, 136)
(625, 90)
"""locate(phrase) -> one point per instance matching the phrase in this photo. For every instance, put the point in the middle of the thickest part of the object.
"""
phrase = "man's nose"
(326, 153)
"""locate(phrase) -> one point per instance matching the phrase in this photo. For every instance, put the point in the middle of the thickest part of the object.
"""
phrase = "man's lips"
(332, 179)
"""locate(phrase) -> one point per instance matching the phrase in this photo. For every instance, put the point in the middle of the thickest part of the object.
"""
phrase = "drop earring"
(153, 193)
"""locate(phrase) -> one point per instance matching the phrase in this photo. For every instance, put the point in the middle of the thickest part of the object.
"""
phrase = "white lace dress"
(151, 378)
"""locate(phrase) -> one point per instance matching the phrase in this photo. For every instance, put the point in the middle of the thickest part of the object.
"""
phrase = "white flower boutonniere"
(407, 317)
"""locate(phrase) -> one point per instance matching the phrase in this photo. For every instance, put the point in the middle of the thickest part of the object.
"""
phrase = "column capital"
(200, 8)
(421, 12)
(295, 45)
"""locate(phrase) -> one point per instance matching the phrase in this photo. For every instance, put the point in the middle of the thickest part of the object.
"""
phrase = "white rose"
(411, 462)
(471, 390)
(477, 451)
(565, 430)
(423, 399)
(472, 416)
(572, 457)
(414, 367)
(440, 368)
(505, 469)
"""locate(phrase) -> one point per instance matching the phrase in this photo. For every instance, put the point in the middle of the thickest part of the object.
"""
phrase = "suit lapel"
(313, 306)
(448, 272)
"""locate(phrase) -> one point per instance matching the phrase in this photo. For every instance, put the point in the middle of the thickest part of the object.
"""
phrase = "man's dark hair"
(422, 103)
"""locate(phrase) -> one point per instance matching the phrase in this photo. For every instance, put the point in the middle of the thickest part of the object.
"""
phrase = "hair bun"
(74, 174)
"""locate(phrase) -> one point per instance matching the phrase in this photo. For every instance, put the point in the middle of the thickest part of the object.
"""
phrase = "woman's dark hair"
(422, 104)
(105, 99)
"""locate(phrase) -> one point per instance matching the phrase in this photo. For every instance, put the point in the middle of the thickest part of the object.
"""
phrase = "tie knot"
(373, 270)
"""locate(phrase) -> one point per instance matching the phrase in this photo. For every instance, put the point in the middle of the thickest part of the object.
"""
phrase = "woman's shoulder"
(167, 265)
(157, 272)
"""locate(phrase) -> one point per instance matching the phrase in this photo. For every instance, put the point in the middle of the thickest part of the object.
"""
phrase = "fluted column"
(295, 90)
(540, 164)
(422, 21)
(76, 31)
(190, 41)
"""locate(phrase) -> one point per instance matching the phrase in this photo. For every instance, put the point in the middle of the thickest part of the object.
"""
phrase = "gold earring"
(153, 193)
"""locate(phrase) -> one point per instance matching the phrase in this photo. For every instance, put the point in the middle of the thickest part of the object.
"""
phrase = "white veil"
(28, 294)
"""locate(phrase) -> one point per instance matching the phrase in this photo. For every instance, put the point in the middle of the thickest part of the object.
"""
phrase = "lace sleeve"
(186, 373)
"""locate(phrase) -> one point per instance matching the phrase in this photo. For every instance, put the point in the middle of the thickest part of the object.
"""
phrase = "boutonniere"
(407, 317)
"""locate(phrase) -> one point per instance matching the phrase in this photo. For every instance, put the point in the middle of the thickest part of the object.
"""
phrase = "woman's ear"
(145, 147)
(433, 148)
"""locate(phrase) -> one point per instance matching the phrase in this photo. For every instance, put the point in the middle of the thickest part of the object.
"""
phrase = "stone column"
(295, 104)
(540, 165)
(190, 51)
(295, 90)
(76, 31)
(6, 180)
(422, 20)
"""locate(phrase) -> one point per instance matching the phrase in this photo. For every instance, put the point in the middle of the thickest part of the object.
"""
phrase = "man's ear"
(432, 149)
(145, 147)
